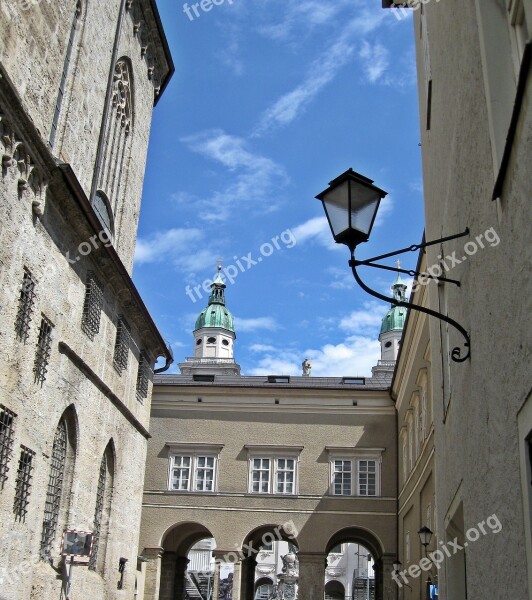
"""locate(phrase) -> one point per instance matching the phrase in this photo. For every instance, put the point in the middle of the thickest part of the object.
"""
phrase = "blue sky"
(271, 99)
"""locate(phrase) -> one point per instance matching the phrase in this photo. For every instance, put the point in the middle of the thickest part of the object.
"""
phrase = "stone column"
(216, 583)
(248, 578)
(311, 575)
(390, 590)
(181, 565)
(153, 572)
(237, 582)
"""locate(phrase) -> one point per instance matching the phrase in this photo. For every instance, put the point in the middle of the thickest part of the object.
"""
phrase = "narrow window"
(92, 306)
(285, 475)
(55, 489)
(367, 477)
(180, 473)
(143, 377)
(260, 475)
(117, 134)
(7, 419)
(416, 431)
(407, 546)
(23, 483)
(410, 446)
(122, 344)
(104, 492)
(25, 306)
(405, 462)
(342, 475)
(42, 355)
(204, 474)
(64, 75)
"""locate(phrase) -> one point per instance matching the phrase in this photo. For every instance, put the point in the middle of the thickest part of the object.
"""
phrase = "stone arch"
(252, 544)
(118, 133)
(334, 590)
(64, 448)
(103, 506)
(368, 539)
(176, 543)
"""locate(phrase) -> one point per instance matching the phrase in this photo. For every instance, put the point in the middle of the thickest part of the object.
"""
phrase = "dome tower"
(214, 337)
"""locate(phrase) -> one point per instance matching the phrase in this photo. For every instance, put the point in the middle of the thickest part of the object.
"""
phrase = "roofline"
(166, 49)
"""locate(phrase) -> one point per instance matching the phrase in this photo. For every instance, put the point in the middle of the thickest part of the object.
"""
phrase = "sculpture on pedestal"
(287, 586)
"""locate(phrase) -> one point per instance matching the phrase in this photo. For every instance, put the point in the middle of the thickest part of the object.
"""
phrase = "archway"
(187, 563)
(355, 558)
(263, 588)
(334, 590)
(262, 549)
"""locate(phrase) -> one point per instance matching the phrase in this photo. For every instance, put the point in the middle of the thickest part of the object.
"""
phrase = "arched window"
(59, 484)
(63, 85)
(104, 212)
(117, 134)
(102, 511)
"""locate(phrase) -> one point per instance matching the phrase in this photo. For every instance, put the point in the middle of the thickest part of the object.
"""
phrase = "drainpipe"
(99, 151)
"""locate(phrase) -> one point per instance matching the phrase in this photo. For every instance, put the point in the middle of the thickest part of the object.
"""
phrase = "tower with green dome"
(393, 323)
(214, 337)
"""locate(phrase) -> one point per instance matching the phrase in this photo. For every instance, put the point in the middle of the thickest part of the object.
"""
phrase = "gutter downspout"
(99, 150)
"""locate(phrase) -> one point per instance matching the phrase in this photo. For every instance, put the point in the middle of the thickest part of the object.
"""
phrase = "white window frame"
(195, 452)
(354, 456)
(405, 460)
(274, 454)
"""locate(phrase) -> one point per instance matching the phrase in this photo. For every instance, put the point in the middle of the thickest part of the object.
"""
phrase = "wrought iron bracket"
(456, 353)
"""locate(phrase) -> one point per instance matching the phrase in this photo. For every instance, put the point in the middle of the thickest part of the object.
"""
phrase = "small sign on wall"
(77, 545)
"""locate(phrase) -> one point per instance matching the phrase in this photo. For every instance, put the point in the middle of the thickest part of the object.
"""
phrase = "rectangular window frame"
(144, 373)
(195, 453)
(25, 306)
(43, 350)
(122, 345)
(7, 435)
(23, 483)
(275, 455)
(356, 459)
(92, 306)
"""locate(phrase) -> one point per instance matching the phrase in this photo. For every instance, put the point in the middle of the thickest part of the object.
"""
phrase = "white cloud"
(315, 229)
(261, 348)
(322, 71)
(354, 356)
(256, 324)
(367, 320)
(252, 177)
(375, 60)
(163, 244)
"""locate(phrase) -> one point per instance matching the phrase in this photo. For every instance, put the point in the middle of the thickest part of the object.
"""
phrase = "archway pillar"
(153, 572)
(390, 590)
(311, 575)
(181, 565)
(248, 578)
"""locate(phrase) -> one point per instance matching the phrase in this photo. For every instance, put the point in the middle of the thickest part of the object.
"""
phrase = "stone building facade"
(252, 460)
(78, 82)
(413, 393)
(473, 61)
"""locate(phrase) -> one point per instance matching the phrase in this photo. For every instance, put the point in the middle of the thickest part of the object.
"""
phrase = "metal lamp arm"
(456, 353)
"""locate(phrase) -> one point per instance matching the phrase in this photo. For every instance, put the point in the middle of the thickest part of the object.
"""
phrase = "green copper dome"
(396, 316)
(216, 314)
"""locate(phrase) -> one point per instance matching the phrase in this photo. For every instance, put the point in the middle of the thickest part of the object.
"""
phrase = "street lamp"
(351, 203)
(425, 535)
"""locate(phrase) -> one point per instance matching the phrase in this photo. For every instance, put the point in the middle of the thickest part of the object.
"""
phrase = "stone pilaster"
(389, 588)
(153, 572)
(311, 575)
